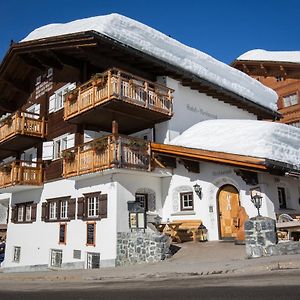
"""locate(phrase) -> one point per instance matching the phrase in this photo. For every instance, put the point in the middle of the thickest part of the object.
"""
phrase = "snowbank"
(263, 55)
(263, 139)
(157, 44)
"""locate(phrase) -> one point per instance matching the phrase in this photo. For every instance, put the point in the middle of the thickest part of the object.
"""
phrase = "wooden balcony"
(20, 131)
(133, 102)
(106, 153)
(21, 173)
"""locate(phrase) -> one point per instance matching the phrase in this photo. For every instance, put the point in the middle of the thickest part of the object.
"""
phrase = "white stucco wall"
(191, 107)
(37, 238)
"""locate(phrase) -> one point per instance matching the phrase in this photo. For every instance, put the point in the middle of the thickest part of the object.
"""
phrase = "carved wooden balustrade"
(21, 173)
(105, 153)
(116, 84)
(22, 123)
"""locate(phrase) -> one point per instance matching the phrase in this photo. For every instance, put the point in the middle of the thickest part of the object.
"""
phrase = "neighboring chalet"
(279, 70)
(90, 112)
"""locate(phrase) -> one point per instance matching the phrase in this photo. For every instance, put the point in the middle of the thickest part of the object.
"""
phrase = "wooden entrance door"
(229, 202)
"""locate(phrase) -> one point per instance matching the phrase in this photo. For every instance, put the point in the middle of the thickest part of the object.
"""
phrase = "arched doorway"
(228, 207)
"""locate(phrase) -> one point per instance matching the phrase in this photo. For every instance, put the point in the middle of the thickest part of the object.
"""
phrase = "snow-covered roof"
(274, 56)
(262, 139)
(159, 45)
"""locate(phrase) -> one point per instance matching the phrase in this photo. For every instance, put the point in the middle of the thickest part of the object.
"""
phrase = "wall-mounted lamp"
(257, 201)
(198, 190)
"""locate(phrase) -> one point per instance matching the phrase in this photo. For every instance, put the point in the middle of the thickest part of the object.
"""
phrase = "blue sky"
(223, 29)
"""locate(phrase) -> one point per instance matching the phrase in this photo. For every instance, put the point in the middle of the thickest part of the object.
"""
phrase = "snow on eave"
(261, 55)
(157, 44)
(268, 140)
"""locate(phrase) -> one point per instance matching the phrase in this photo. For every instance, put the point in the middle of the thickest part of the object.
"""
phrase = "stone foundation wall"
(260, 235)
(140, 247)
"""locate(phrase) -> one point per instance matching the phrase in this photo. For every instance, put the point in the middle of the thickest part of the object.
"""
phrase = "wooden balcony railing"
(116, 84)
(105, 153)
(22, 123)
(21, 173)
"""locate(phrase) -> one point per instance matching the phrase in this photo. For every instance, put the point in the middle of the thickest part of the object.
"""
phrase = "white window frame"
(57, 99)
(27, 213)
(184, 201)
(64, 209)
(291, 99)
(53, 210)
(21, 213)
(93, 207)
(59, 144)
(53, 258)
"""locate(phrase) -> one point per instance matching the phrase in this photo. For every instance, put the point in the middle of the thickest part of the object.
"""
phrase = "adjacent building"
(98, 116)
(279, 70)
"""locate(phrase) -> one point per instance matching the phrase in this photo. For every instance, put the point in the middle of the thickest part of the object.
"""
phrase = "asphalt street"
(284, 284)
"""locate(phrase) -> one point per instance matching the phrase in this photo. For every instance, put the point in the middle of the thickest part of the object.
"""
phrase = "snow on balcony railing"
(116, 84)
(105, 153)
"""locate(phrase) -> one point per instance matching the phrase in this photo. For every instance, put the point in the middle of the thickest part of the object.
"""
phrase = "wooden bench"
(183, 230)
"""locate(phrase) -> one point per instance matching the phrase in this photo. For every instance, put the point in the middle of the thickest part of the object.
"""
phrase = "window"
(64, 209)
(90, 233)
(281, 197)
(17, 254)
(290, 100)
(58, 209)
(50, 72)
(93, 260)
(187, 201)
(279, 78)
(38, 80)
(142, 199)
(53, 211)
(62, 239)
(56, 258)
(56, 101)
(93, 206)
(23, 213)
(60, 144)
(27, 213)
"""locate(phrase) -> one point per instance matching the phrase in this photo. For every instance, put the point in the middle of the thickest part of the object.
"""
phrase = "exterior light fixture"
(202, 233)
(198, 190)
(257, 201)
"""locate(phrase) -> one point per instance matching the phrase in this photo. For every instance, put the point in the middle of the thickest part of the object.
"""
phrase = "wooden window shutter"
(45, 212)
(71, 208)
(33, 212)
(14, 214)
(81, 209)
(52, 103)
(103, 205)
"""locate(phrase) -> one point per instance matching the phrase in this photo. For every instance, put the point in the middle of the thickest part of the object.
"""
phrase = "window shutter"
(51, 103)
(14, 214)
(33, 212)
(45, 212)
(48, 150)
(103, 205)
(71, 208)
(70, 140)
(81, 211)
(72, 86)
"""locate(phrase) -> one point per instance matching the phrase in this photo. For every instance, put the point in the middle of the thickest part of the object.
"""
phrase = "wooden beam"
(245, 69)
(16, 85)
(32, 62)
(47, 61)
(66, 59)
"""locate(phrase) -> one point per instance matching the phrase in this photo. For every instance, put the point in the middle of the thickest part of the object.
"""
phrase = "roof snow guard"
(175, 59)
(277, 143)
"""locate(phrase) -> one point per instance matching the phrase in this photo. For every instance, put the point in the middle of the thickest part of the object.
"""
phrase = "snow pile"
(263, 55)
(262, 139)
(157, 44)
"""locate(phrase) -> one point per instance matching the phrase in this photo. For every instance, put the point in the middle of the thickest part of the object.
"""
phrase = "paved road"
(272, 285)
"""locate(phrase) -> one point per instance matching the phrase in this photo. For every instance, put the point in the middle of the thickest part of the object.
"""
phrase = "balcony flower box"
(68, 156)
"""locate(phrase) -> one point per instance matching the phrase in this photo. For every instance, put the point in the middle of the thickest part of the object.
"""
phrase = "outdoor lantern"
(202, 233)
(198, 190)
(257, 201)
